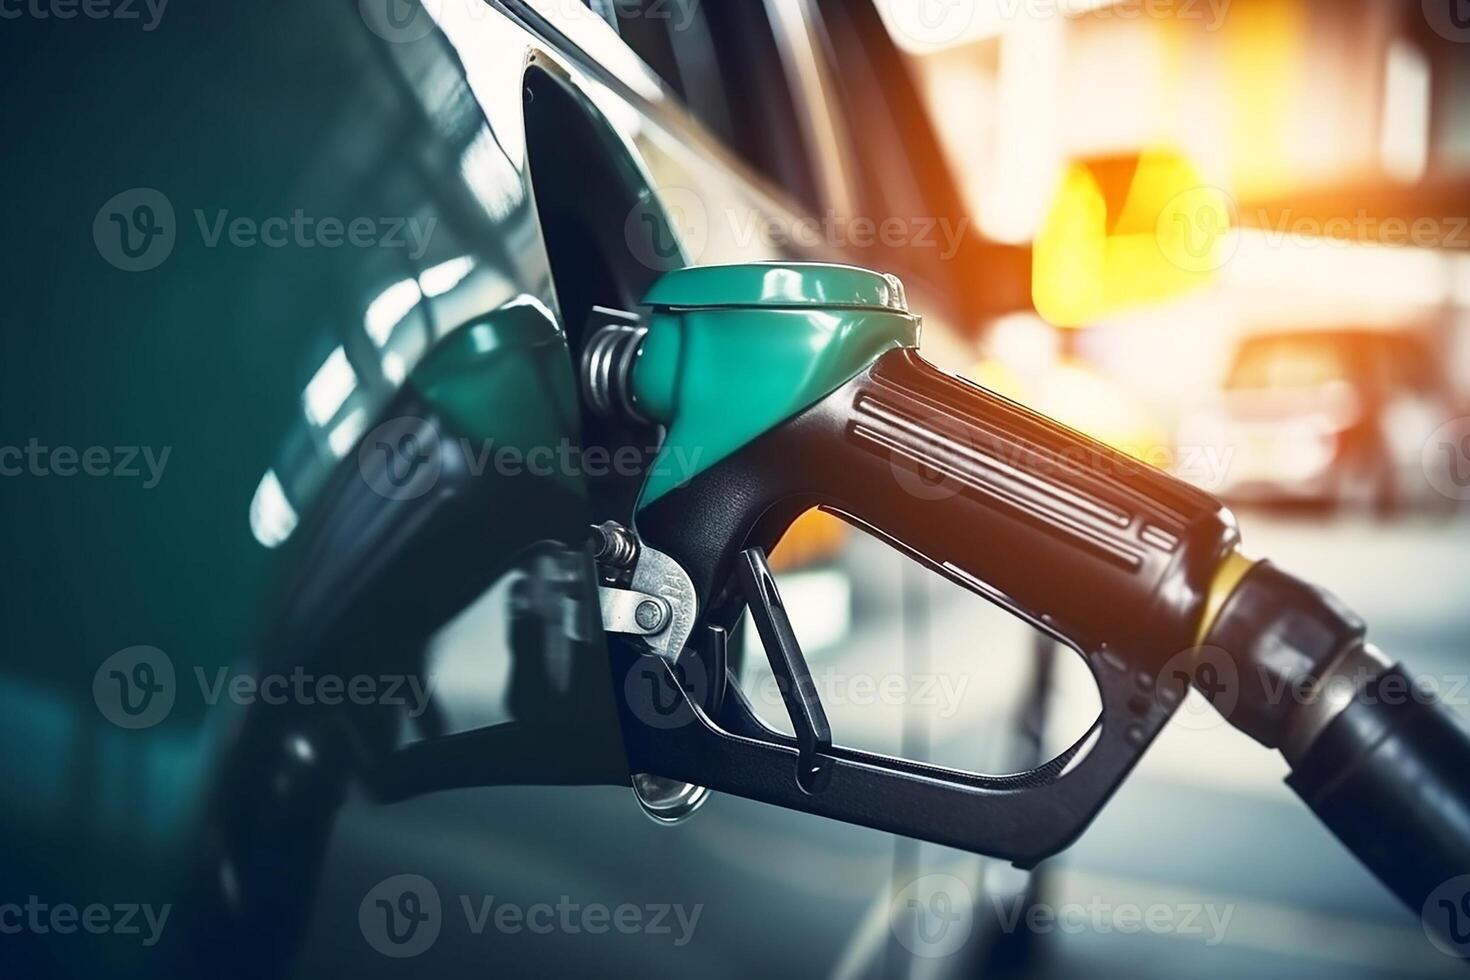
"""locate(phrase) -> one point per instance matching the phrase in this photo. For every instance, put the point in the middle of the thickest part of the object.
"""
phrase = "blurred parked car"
(1332, 417)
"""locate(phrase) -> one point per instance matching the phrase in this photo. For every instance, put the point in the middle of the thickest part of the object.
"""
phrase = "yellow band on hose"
(1231, 572)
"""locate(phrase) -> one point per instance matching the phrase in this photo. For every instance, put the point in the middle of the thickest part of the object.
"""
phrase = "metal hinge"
(643, 592)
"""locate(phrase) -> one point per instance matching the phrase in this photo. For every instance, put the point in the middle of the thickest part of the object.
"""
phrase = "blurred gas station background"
(1246, 237)
(1249, 233)
(1253, 213)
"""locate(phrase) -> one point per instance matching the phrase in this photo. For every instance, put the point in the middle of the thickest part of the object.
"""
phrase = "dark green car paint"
(502, 386)
(220, 357)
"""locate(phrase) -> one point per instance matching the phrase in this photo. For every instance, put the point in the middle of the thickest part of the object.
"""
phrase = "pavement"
(1206, 831)
(1204, 864)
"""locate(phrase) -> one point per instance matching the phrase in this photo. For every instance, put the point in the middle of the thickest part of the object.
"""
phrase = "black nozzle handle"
(1110, 554)
(1390, 776)
(1099, 549)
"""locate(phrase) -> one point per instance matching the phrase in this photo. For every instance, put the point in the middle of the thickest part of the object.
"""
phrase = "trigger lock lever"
(793, 679)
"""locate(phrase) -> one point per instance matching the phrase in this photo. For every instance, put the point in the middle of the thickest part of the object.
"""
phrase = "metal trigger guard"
(722, 744)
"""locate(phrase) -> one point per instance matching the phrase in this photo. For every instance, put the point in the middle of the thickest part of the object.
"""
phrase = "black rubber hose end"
(1390, 776)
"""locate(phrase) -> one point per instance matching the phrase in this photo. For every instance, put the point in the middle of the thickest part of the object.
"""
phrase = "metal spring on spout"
(607, 370)
(615, 548)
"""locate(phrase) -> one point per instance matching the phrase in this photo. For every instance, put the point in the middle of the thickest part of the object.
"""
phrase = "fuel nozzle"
(786, 387)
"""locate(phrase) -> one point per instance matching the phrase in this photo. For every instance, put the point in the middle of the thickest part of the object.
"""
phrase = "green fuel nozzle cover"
(734, 351)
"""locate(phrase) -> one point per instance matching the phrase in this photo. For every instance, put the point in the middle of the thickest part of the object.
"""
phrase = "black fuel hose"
(1374, 753)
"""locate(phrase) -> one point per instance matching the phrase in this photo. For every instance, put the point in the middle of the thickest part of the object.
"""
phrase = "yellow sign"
(1127, 231)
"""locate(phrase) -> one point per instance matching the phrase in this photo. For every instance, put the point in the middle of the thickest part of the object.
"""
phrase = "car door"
(295, 308)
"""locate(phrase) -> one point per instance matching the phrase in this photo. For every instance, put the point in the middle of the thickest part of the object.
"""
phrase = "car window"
(887, 183)
(722, 60)
(900, 170)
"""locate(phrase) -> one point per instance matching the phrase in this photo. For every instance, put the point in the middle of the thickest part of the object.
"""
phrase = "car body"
(1337, 417)
(287, 235)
